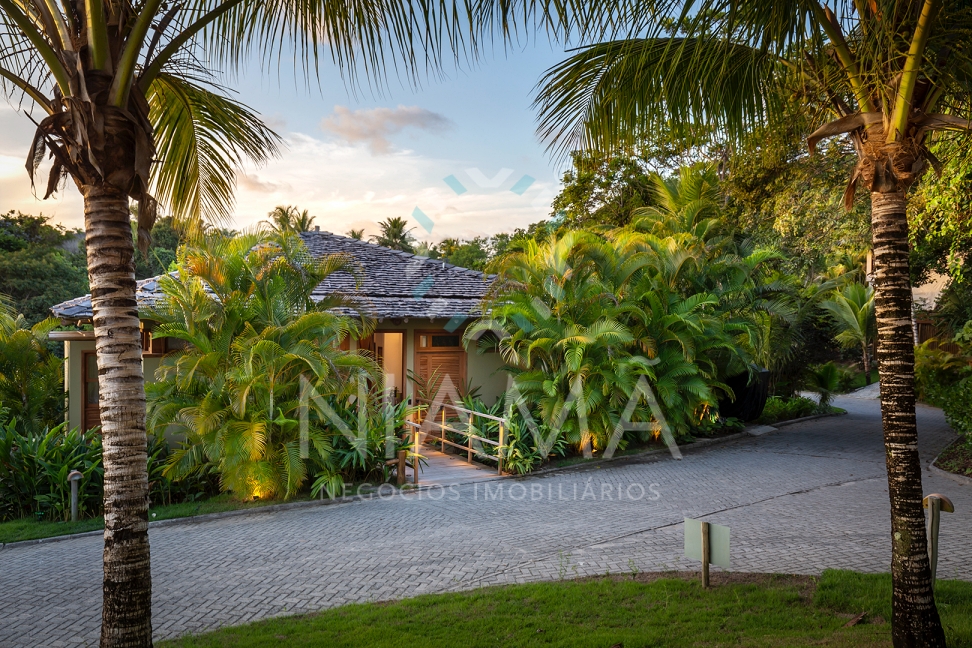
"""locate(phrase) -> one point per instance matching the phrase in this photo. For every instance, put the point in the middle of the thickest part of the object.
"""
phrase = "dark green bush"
(785, 409)
(34, 471)
(34, 474)
(944, 380)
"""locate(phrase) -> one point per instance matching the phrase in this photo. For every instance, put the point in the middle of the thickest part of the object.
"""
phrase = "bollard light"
(74, 477)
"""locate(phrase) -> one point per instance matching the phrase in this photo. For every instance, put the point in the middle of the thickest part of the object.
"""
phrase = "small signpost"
(708, 543)
(935, 503)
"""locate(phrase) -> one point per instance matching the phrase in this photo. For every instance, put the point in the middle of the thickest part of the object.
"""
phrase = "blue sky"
(353, 160)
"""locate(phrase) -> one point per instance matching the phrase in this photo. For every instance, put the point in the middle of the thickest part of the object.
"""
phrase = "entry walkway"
(810, 496)
(442, 469)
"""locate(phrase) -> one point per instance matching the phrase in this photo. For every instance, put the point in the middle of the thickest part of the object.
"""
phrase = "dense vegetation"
(251, 336)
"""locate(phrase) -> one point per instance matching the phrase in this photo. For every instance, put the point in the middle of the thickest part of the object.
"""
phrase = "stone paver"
(808, 497)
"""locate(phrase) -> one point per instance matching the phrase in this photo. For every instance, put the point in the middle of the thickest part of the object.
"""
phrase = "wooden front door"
(439, 354)
(90, 412)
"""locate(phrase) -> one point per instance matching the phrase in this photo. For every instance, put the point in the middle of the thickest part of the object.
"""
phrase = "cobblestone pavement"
(808, 497)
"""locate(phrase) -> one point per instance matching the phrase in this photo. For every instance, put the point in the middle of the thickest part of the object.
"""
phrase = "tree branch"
(28, 90)
(60, 24)
(121, 85)
(845, 56)
(43, 47)
(909, 75)
(98, 35)
(153, 69)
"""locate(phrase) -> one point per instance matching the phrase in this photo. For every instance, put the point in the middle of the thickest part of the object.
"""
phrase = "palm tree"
(395, 234)
(824, 381)
(290, 219)
(131, 112)
(578, 315)
(356, 234)
(893, 74)
(852, 312)
(243, 305)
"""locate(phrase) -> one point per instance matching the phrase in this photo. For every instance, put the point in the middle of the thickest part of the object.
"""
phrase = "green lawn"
(18, 530)
(858, 381)
(629, 611)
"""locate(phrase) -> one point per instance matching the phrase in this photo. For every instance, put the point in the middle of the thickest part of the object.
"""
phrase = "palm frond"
(202, 137)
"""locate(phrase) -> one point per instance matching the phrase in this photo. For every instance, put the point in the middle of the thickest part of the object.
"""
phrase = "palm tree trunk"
(867, 365)
(126, 618)
(915, 620)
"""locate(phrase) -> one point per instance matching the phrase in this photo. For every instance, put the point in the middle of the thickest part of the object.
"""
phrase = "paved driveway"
(808, 497)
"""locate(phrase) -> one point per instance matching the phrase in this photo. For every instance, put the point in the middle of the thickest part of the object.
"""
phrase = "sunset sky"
(354, 158)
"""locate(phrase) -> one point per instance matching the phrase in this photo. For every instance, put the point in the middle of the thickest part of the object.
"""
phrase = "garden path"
(810, 496)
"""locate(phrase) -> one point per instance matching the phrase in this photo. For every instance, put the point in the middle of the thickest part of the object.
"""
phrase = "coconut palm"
(130, 111)
(852, 311)
(290, 219)
(892, 73)
(395, 234)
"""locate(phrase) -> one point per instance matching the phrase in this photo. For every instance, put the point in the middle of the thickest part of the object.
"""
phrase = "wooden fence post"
(499, 451)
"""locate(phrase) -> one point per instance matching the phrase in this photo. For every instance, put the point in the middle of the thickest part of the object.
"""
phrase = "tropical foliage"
(40, 264)
(34, 470)
(31, 377)
(582, 318)
(852, 312)
(255, 345)
(290, 219)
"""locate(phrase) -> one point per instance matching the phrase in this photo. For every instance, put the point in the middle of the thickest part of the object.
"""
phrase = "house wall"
(72, 378)
(73, 351)
(484, 370)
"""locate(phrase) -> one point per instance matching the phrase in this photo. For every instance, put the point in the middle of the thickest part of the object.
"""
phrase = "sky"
(458, 157)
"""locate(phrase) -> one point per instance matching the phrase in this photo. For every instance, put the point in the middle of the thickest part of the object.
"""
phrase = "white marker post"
(935, 503)
(708, 543)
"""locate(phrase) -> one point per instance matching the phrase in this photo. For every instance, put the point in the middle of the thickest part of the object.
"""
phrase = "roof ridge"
(445, 264)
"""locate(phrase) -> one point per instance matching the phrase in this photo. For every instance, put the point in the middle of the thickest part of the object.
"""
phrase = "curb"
(272, 508)
(638, 455)
(807, 418)
(935, 470)
(208, 517)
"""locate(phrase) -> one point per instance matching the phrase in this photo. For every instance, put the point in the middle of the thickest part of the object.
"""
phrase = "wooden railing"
(468, 433)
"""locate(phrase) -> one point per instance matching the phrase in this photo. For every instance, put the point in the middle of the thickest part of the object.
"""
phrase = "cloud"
(253, 182)
(373, 126)
(344, 186)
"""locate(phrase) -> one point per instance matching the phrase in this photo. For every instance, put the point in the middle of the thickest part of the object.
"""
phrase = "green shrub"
(34, 472)
(31, 377)
(824, 380)
(944, 380)
(786, 409)
(252, 334)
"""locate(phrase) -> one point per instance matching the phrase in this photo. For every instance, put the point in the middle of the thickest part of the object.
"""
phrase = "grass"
(629, 611)
(19, 530)
(858, 380)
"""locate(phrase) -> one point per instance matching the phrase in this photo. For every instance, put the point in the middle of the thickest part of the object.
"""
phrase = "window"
(445, 341)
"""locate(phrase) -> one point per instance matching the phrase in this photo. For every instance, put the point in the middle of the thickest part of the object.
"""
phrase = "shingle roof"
(394, 284)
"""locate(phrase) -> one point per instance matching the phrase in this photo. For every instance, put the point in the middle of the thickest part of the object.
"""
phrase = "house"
(421, 307)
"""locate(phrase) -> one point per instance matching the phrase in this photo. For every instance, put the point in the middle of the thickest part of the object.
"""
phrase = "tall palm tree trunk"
(126, 611)
(867, 364)
(915, 617)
